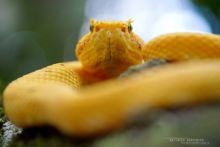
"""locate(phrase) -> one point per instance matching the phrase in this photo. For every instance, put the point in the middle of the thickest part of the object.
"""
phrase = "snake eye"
(91, 27)
(129, 28)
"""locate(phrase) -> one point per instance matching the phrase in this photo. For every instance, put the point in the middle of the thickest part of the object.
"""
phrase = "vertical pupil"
(91, 28)
(129, 28)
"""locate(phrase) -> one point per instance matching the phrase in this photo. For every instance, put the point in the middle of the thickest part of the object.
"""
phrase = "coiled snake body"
(85, 99)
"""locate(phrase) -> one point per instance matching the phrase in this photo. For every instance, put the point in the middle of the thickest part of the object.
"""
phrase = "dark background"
(34, 34)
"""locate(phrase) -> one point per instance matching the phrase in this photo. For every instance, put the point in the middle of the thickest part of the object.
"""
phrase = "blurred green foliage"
(210, 9)
(34, 34)
(213, 5)
(2, 86)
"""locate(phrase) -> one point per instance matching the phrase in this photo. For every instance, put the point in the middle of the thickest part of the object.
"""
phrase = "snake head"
(109, 48)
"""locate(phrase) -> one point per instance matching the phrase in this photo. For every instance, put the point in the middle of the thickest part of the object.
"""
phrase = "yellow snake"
(86, 99)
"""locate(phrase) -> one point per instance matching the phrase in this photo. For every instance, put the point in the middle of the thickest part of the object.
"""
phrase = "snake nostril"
(108, 33)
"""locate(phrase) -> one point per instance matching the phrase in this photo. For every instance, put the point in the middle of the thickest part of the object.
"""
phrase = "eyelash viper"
(83, 98)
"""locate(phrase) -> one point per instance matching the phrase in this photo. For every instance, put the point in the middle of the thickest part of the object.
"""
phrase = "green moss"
(147, 65)
(2, 121)
(2, 86)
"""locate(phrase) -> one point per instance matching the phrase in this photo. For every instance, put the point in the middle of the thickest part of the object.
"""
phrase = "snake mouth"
(109, 48)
